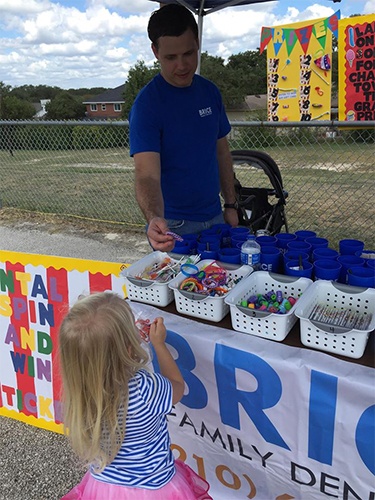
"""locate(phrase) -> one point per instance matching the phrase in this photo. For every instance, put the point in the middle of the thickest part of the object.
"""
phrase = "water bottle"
(250, 252)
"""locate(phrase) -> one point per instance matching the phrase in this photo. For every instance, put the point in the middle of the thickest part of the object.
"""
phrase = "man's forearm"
(227, 186)
(227, 180)
(150, 199)
(226, 171)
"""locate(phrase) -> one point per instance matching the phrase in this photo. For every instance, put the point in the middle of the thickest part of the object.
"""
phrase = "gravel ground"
(53, 235)
(36, 464)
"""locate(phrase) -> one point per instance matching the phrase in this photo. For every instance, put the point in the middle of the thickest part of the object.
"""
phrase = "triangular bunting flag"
(290, 39)
(304, 35)
(320, 32)
(265, 37)
(333, 22)
(322, 40)
(276, 47)
(277, 38)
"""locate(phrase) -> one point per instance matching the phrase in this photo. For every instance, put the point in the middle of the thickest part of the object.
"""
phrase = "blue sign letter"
(365, 438)
(267, 394)
(323, 394)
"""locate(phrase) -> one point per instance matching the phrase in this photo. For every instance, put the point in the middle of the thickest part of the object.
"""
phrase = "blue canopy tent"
(201, 8)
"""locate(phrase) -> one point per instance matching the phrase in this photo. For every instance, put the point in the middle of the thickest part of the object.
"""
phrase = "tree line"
(241, 75)
(18, 103)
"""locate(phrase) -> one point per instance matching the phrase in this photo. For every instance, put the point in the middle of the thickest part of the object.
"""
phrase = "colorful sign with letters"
(299, 69)
(35, 293)
(357, 68)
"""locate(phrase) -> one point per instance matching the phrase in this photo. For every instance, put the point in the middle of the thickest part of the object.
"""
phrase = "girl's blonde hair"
(100, 350)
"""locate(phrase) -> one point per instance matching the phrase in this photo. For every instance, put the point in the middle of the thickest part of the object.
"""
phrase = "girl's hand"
(167, 365)
(158, 332)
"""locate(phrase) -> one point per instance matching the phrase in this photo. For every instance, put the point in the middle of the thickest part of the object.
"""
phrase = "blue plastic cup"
(283, 239)
(208, 254)
(182, 247)
(300, 245)
(327, 269)
(368, 255)
(191, 240)
(370, 263)
(208, 245)
(266, 240)
(235, 231)
(361, 276)
(211, 232)
(231, 255)
(348, 261)
(237, 243)
(324, 253)
(208, 249)
(350, 247)
(209, 239)
(223, 227)
(317, 242)
(237, 240)
(303, 234)
(295, 255)
(270, 259)
(224, 230)
(295, 268)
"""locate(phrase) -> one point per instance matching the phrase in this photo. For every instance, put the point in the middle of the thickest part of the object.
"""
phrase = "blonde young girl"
(115, 409)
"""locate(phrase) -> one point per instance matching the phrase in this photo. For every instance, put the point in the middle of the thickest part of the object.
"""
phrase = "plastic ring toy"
(189, 270)
(189, 285)
(210, 282)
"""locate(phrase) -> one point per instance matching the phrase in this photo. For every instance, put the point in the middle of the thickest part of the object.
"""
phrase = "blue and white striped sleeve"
(157, 394)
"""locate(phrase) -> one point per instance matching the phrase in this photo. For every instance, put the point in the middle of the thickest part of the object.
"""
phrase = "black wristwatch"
(231, 205)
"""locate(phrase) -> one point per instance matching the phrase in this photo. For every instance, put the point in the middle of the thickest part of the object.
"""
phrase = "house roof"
(40, 108)
(109, 96)
(257, 101)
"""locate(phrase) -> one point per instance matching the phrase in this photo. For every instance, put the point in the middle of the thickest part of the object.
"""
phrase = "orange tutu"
(185, 485)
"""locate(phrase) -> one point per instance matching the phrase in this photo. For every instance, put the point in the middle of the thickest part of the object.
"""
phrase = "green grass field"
(331, 186)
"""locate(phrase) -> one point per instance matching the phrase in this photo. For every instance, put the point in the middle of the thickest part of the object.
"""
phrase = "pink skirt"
(185, 485)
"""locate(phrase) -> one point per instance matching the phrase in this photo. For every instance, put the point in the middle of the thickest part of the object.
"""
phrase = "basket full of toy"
(147, 279)
(263, 304)
(199, 290)
(337, 318)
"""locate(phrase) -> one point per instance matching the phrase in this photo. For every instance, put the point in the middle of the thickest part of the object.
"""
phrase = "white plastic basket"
(265, 324)
(203, 306)
(148, 291)
(333, 337)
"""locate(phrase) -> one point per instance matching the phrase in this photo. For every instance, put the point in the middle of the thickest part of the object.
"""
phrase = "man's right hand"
(156, 233)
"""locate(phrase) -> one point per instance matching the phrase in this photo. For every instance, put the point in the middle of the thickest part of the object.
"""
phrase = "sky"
(94, 43)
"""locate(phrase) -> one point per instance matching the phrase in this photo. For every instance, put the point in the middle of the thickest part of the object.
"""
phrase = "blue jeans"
(182, 227)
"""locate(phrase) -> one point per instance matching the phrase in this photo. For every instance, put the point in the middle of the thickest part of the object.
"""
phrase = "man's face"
(178, 58)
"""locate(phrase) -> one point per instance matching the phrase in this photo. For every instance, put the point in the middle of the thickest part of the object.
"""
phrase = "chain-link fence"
(83, 169)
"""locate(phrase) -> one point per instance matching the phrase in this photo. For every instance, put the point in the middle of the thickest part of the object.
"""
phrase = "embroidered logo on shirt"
(205, 112)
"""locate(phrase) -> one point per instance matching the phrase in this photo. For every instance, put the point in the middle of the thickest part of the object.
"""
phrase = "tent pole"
(200, 31)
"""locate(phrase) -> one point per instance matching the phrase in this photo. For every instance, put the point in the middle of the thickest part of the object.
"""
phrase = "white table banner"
(264, 420)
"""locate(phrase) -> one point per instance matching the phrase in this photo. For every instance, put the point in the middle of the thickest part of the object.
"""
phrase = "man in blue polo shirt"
(178, 129)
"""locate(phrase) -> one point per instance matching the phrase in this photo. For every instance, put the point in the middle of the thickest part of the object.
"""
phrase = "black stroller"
(261, 207)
